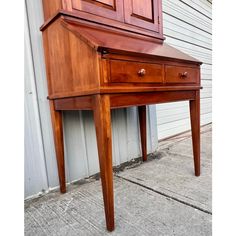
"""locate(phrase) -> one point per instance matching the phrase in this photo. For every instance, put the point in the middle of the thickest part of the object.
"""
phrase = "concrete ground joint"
(166, 195)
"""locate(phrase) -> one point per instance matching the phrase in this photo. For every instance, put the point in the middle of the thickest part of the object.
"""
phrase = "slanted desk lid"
(115, 42)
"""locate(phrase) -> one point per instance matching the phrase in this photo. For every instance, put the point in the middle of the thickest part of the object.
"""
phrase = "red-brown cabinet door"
(112, 9)
(143, 13)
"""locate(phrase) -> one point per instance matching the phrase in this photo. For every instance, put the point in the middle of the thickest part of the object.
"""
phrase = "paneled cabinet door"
(143, 13)
(112, 9)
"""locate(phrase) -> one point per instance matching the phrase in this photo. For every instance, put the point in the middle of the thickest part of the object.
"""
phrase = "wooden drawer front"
(181, 74)
(137, 72)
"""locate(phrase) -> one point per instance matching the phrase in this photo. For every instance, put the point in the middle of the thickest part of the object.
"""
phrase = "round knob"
(184, 75)
(142, 72)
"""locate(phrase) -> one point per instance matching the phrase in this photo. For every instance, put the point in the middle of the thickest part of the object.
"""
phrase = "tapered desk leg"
(143, 130)
(56, 117)
(195, 126)
(102, 118)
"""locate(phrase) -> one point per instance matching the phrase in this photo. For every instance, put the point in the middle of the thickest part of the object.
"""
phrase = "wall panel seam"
(186, 22)
(195, 9)
(187, 42)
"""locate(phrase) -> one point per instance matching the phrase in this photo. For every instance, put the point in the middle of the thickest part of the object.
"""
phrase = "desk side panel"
(72, 65)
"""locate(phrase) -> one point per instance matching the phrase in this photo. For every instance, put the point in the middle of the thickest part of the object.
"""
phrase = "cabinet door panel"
(112, 9)
(143, 9)
(142, 13)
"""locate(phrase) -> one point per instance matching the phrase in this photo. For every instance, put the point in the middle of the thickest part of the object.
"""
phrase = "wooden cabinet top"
(139, 16)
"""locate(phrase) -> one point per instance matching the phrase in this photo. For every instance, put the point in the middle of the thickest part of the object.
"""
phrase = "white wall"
(191, 36)
(187, 26)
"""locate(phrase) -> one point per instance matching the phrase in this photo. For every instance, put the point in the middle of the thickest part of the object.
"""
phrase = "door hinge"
(158, 20)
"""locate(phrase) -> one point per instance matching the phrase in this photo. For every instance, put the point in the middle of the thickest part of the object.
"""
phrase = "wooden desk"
(94, 67)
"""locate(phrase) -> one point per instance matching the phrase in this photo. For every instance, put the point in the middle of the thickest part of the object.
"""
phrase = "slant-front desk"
(103, 55)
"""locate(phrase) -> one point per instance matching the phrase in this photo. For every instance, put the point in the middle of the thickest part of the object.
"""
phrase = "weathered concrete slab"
(160, 197)
(172, 173)
(138, 212)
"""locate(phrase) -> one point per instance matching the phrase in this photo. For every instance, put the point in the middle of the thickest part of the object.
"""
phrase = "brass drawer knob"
(183, 75)
(142, 72)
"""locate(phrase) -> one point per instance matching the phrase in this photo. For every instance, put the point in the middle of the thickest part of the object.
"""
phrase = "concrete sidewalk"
(159, 197)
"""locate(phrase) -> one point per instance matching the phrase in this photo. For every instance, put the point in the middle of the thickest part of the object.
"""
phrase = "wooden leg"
(143, 130)
(56, 117)
(102, 118)
(195, 126)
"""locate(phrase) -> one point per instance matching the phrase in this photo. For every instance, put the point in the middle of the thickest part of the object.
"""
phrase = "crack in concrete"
(166, 195)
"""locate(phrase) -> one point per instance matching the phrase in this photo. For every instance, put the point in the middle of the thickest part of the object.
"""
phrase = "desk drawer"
(181, 74)
(135, 72)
